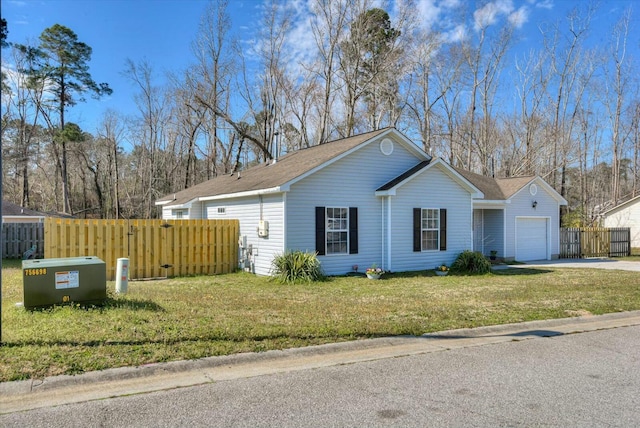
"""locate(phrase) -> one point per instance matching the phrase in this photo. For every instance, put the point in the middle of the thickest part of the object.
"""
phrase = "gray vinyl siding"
(493, 232)
(196, 210)
(431, 189)
(521, 206)
(193, 211)
(172, 213)
(247, 210)
(349, 182)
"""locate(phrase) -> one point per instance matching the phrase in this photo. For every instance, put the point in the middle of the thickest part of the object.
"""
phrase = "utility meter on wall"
(263, 228)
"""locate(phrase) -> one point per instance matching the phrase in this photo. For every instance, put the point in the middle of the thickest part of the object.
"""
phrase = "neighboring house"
(374, 198)
(627, 214)
(13, 213)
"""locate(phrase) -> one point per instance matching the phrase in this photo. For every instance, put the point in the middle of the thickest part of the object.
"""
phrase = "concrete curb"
(59, 390)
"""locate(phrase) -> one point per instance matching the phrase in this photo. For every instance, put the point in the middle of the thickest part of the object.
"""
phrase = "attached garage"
(532, 238)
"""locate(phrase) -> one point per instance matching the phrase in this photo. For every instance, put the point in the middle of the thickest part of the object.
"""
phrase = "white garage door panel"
(531, 239)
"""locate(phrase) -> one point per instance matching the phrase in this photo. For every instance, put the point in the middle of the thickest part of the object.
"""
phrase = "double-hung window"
(430, 229)
(336, 230)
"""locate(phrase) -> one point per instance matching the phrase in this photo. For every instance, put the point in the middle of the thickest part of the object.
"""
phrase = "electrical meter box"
(263, 228)
(48, 282)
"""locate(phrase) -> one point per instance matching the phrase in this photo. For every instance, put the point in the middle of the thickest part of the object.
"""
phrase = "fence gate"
(578, 242)
(17, 238)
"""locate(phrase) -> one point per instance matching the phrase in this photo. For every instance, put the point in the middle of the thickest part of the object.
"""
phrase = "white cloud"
(490, 12)
(450, 4)
(545, 4)
(458, 34)
(428, 13)
(300, 41)
(519, 17)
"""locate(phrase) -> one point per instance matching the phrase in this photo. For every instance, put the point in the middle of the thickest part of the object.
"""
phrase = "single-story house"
(626, 214)
(374, 198)
(13, 213)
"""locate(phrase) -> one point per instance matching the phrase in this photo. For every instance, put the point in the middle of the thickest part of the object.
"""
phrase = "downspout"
(504, 234)
(473, 226)
(389, 232)
(284, 222)
(382, 244)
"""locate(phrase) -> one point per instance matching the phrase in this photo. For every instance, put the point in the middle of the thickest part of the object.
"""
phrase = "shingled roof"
(496, 189)
(269, 175)
(275, 174)
(404, 176)
(14, 210)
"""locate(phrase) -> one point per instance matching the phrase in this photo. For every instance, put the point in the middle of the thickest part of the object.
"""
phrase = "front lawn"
(187, 318)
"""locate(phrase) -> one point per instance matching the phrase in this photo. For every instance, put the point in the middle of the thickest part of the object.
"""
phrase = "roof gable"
(390, 187)
(622, 206)
(503, 189)
(278, 175)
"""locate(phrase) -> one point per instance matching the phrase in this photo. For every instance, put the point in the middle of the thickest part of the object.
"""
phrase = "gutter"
(244, 194)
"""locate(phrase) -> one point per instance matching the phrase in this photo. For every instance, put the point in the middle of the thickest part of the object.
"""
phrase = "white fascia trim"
(408, 144)
(550, 190)
(179, 206)
(555, 195)
(162, 202)
(490, 204)
(621, 206)
(473, 190)
(278, 189)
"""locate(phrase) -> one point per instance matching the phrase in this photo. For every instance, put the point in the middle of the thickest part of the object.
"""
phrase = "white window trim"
(327, 230)
(437, 229)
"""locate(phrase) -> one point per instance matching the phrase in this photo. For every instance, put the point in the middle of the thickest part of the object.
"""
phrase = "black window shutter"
(353, 230)
(443, 229)
(320, 232)
(417, 229)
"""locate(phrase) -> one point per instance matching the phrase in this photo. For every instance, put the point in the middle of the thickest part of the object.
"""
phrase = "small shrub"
(472, 262)
(296, 266)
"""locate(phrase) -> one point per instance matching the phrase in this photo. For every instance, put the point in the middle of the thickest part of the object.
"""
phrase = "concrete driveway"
(593, 263)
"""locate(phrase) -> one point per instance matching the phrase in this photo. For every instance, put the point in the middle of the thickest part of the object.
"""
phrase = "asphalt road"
(566, 380)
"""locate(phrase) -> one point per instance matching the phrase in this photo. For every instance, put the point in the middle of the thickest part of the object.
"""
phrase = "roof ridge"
(281, 170)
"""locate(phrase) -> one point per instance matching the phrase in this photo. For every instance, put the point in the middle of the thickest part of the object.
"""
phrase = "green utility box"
(48, 282)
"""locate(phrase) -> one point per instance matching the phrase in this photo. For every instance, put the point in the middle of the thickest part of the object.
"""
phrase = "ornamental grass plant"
(296, 266)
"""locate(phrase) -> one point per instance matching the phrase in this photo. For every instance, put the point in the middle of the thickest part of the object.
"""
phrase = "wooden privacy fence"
(155, 248)
(578, 242)
(20, 237)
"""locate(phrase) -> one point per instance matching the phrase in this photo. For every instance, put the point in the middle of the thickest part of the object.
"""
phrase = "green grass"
(634, 257)
(188, 318)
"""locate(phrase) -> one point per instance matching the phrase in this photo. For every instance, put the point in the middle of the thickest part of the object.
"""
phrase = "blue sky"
(161, 31)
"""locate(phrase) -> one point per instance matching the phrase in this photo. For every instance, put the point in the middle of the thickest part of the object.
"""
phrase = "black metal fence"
(18, 238)
(580, 242)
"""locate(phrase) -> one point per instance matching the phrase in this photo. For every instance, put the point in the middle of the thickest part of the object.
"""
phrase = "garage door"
(531, 239)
